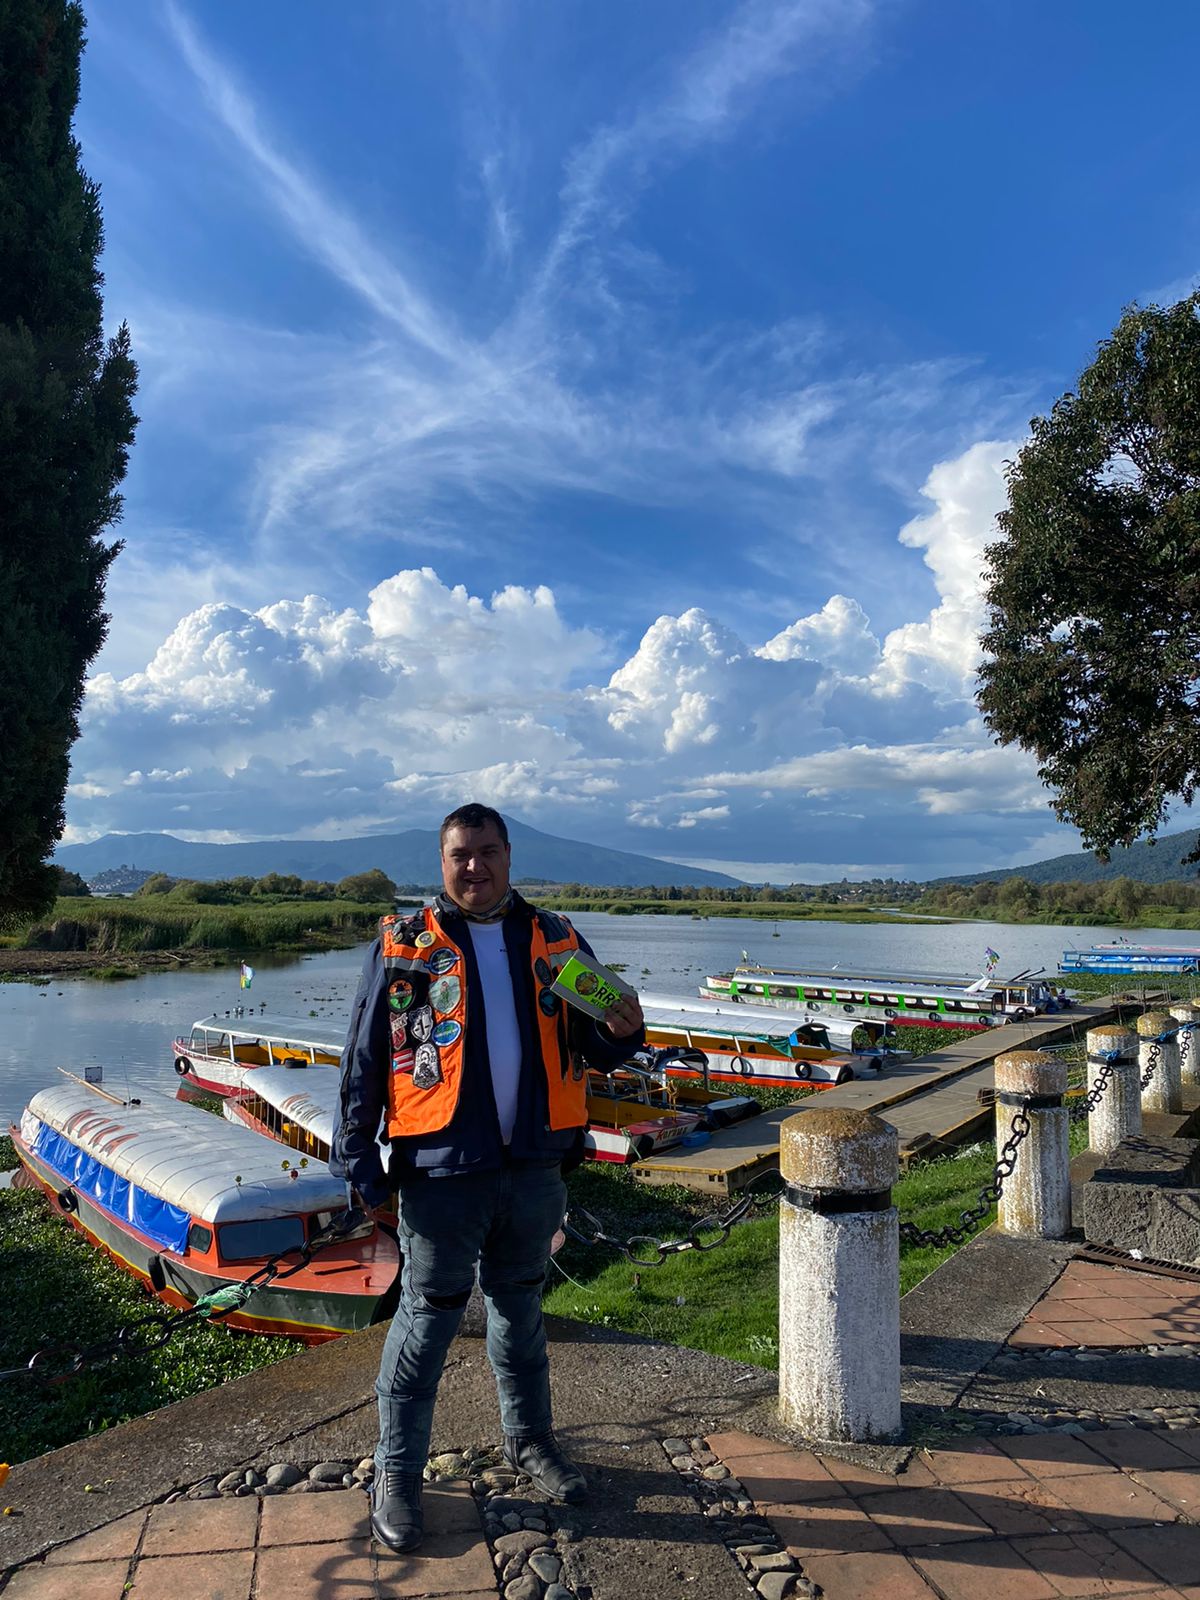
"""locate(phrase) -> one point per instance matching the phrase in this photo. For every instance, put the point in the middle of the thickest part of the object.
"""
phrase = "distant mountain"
(1144, 863)
(409, 857)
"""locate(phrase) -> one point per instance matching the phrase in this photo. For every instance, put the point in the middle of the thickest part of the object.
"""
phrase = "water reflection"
(128, 1027)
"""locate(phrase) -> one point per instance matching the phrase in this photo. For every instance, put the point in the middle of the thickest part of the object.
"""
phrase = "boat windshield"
(265, 1236)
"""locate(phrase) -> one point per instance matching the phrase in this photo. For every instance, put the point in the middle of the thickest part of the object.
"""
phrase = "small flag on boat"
(246, 975)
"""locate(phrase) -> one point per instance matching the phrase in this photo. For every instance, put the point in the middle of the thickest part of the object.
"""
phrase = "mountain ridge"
(410, 856)
(1143, 862)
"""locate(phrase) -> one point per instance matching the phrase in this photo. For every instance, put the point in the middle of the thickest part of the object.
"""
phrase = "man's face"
(475, 864)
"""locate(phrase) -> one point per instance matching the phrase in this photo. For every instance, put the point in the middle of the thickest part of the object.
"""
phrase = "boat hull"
(770, 1072)
(299, 1308)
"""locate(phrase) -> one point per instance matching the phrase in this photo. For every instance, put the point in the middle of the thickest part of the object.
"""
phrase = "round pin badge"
(441, 961)
(420, 1024)
(446, 1032)
(548, 1001)
(424, 940)
(445, 993)
(400, 994)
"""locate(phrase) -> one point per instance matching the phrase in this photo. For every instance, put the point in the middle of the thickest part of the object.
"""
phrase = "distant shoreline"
(754, 911)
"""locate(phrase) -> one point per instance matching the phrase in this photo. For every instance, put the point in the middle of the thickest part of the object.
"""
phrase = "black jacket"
(471, 1142)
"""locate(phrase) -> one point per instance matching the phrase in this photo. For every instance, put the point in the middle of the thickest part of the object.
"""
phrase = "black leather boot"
(543, 1461)
(396, 1518)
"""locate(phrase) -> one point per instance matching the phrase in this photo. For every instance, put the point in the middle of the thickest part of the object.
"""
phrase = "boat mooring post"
(1164, 1091)
(1189, 1045)
(1118, 1113)
(1036, 1199)
(839, 1277)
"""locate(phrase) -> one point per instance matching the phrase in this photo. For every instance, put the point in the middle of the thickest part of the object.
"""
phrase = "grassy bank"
(130, 927)
(59, 1288)
(726, 1301)
(760, 910)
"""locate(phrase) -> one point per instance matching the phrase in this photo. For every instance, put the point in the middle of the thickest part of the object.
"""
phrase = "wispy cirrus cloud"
(415, 408)
(330, 233)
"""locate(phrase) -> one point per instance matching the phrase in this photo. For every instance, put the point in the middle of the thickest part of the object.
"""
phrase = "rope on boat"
(55, 1363)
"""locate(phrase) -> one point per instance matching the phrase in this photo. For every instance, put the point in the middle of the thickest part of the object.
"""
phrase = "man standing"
(458, 1044)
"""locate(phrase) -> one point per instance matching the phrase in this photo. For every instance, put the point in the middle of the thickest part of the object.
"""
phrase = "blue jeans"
(504, 1221)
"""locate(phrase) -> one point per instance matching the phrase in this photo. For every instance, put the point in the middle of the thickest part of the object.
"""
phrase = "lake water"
(127, 1028)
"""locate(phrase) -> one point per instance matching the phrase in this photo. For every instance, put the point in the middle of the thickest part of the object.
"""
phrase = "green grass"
(59, 1288)
(725, 1301)
(126, 926)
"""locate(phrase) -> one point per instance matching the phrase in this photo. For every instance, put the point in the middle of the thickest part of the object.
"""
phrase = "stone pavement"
(1110, 1308)
(312, 1548)
(1049, 1470)
(1020, 1518)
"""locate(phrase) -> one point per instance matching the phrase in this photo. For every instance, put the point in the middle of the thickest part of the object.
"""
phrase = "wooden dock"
(932, 1102)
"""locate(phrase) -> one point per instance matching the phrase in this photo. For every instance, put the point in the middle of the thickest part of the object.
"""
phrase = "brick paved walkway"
(307, 1547)
(1111, 1307)
(1022, 1518)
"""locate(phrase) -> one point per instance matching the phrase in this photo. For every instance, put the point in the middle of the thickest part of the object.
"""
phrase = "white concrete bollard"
(1118, 1114)
(1189, 1041)
(839, 1277)
(1164, 1091)
(1036, 1199)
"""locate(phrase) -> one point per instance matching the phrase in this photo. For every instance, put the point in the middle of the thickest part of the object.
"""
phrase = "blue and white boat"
(1124, 956)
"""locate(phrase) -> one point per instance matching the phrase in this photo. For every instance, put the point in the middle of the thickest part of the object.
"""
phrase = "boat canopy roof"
(722, 1019)
(307, 1098)
(877, 982)
(214, 1170)
(913, 977)
(309, 1033)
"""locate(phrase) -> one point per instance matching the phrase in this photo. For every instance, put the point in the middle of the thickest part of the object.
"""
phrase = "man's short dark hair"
(472, 815)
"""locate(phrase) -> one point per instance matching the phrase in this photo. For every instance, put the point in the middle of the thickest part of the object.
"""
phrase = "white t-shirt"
(500, 1009)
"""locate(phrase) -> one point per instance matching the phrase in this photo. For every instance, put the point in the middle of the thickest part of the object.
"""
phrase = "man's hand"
(625, 1017)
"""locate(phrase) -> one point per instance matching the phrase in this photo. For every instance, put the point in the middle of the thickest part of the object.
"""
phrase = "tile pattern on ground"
(1036, 1517)
(315, 1547)
(1111, 1308)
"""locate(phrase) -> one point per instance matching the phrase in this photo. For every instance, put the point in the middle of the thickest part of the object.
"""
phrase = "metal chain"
(1087, 1104)
(56, 1362)
(1152, 1063)
(644, 1250)
(968, 1221)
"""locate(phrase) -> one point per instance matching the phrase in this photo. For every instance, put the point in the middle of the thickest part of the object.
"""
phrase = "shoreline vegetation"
(169, 924)
(1121, 902)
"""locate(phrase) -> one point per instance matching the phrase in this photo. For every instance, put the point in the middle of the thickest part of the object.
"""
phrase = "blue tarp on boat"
(166, 1224)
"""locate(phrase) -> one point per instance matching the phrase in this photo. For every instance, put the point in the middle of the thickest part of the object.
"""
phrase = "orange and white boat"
(190, 1205)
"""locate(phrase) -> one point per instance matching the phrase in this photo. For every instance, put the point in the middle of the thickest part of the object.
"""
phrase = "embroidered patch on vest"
(403, 1061)
(424, 940)
(548, 1001)
(442, 961)
(399, 1032)
(420, 1024)
(428, 1069)
(542, 968)
(445, 993)
(400, 994)
(446, 1032)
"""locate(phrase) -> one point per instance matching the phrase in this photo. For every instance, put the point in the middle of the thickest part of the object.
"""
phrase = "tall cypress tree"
(66, 424)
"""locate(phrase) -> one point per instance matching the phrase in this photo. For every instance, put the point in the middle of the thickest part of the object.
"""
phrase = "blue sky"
(600, 410)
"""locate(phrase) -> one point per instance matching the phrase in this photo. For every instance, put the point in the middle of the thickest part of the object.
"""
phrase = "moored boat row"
(902, 1000)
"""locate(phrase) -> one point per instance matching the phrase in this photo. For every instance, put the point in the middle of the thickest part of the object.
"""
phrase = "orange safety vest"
(428, 1013)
